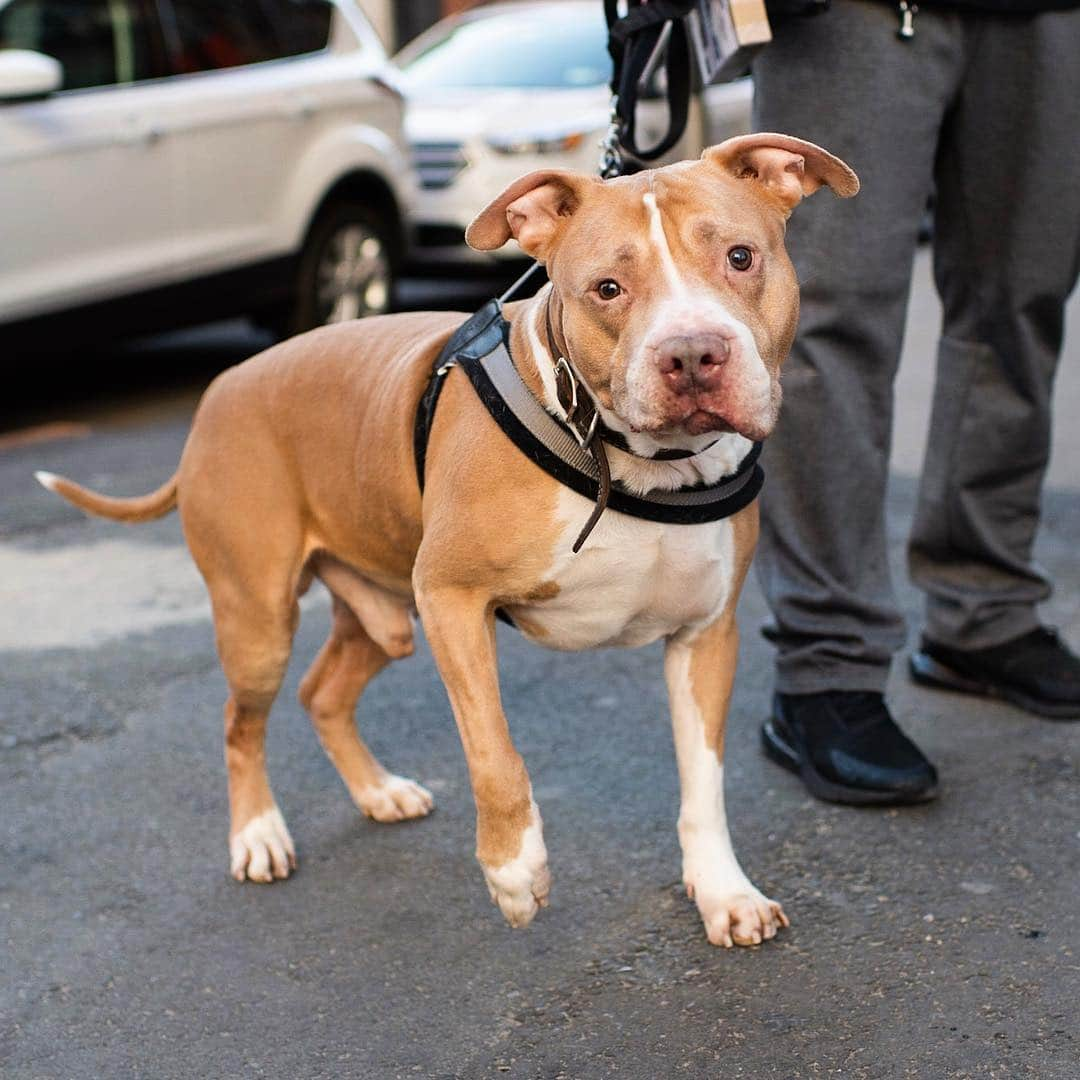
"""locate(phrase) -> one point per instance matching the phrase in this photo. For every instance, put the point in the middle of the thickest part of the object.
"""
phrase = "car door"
(243, 120)
(87, 198)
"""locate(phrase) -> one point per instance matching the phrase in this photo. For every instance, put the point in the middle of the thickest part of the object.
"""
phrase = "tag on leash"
(726, 34)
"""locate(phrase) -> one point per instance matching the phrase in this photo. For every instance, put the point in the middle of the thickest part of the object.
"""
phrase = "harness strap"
(479, 348)
(483, 325)
(550, 444)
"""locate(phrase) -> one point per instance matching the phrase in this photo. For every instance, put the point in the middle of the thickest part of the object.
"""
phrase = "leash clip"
(610, 158)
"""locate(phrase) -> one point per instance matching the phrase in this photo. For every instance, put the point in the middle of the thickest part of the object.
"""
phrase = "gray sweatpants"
(987, 109)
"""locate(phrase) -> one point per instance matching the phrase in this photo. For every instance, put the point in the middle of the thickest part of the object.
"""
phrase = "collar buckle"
(582, 432)
(563, 369)
(587, 439)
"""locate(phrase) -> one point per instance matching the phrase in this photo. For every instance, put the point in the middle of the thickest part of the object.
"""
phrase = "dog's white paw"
(396, 799)
(738, 915)
(520, 887)
(263, 849)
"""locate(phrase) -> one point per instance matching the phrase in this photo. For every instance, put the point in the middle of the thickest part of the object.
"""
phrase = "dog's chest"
(634, 581)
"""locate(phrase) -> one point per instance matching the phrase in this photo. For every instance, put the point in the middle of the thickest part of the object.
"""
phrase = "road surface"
(937, 941)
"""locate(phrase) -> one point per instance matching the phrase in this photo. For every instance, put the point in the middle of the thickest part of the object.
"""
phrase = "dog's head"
(672, 287)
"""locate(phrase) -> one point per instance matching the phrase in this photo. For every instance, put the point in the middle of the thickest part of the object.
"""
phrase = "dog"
(673, 299)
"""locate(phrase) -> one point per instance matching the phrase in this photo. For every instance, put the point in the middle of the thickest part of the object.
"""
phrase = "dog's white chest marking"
(633, 582)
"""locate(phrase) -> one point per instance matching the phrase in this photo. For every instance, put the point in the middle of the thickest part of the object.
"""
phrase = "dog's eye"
(740, 258)
(608, 289)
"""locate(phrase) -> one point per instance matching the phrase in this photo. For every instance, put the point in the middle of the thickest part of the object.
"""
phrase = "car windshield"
(553, 48)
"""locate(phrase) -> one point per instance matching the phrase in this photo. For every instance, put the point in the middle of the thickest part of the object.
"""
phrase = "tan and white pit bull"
(673, 295)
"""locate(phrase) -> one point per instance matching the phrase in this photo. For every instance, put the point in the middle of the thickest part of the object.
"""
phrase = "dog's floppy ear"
(786, 167)
(532, 210)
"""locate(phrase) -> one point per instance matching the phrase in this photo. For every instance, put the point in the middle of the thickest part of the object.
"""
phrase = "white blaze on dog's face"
(678, 299)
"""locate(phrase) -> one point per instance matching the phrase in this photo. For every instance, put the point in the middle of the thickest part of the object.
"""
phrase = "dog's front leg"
(460, 627)
(700, 671)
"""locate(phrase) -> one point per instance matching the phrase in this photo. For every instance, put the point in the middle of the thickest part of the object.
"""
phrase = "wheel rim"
(353, 275)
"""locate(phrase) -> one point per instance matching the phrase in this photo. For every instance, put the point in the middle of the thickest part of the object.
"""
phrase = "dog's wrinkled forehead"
(661, 219)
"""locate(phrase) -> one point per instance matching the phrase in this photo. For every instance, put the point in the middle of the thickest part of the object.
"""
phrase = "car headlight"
(526, 144)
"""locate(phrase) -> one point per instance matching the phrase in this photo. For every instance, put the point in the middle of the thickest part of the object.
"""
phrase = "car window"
(557, 49)
(212, 35)
(302, 26)
(98, 42)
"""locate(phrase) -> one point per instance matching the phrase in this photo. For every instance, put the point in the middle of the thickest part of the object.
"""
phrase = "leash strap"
(633, 41)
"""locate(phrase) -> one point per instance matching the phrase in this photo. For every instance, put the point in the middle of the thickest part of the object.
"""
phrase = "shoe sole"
(784, 754)
(927, 671)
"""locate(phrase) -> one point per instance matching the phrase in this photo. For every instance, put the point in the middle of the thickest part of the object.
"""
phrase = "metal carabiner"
(610, 158)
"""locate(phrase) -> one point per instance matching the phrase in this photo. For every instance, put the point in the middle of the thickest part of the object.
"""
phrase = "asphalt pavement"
(930, 942)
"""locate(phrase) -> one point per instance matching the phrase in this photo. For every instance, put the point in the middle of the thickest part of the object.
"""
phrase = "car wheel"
(345, 270)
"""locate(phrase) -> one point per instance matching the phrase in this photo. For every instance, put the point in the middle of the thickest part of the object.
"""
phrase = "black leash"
(638, 42)
(647, 36)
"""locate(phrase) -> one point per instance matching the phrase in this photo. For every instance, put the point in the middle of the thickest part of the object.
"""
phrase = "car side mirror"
(27, 74)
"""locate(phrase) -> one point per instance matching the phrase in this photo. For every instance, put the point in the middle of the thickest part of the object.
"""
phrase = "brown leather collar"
(581, 412)
(583, 419)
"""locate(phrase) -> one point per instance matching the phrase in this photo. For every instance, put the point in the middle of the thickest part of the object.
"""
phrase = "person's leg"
(843, 79)
(1007, 246)
(1007, 252)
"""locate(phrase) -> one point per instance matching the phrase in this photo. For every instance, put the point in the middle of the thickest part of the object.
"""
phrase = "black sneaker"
(847, 748)
(1036, 671)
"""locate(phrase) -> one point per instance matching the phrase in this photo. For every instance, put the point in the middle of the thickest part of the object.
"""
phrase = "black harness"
(480, 347)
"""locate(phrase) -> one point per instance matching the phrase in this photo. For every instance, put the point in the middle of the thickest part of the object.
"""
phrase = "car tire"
(346, 270)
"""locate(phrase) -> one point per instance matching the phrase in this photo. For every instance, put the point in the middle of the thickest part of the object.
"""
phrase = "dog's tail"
(141, 508)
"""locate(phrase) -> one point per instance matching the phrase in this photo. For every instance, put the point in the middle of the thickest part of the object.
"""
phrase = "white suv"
(172, 161)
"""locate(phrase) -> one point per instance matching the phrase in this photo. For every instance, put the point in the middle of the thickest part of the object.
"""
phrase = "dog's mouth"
(685, 420)
(701, 421)
(696, 420)
(735, 411)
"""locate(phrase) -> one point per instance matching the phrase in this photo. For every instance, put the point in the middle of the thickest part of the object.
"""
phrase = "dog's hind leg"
(244, 522)
(254, 641)
(348, 661)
